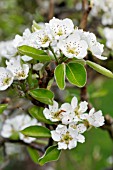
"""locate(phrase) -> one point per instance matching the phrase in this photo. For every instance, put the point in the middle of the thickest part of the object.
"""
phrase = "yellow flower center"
(45, 39)
(66, 138)
(6, 81)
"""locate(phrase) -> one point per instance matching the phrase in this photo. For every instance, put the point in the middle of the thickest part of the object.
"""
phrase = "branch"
(32, 145)
(86, 10)
(51, 9)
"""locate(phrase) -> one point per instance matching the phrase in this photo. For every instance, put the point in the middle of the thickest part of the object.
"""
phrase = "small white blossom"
(60, 29)
(42, 38)
(7, 49)
(6, 78)
(95, 119)
(18, 41)
(20, 71)
(78, 110)
(17, 124)
(73, 46)
(66, 137)
(81, 128)
(53, 113)
(107, 33)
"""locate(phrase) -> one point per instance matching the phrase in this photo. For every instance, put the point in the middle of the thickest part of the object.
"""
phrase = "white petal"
(80, 138)
(74, 102)
(66, 107)
(83, 106)
(72, 144)
(81, 128)
(55, 136)
(62, 145)
(53, 108)
(47, 113)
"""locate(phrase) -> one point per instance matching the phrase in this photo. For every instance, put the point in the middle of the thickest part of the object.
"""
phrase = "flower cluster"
(13, 126)
(104, 6)
(58, 37)
(109, 39)
(73, 122)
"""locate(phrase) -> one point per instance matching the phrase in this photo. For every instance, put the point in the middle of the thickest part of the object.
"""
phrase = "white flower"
(66, 137)
(78, 110)
(73, 46)
(6, 131)
(42, 38)
(53, 113)
(95, 47)
(60, 29)
(17, 124)
(7, 49)
(6, 78)
(81, 128)
(18, 41)
(107, 33)
(27, 121)
(20, 71)
(95, 119)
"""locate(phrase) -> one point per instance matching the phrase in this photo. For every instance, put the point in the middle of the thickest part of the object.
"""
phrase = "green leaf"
(100, 69)
(37, 112)
(3, 107)
(14, 136)
(51, 154)
(36, 131)
(42, 95)
(33, 154)
(76, 74)
(60, 75)
(34, 53)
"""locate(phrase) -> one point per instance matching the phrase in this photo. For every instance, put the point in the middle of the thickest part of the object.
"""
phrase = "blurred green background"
(97, 152)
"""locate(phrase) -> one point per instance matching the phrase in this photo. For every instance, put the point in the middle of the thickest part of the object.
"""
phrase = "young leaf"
(51, 154)
(34, 53)
(3, 107)
(60, 75)
(37, 112)
(37, 132)
(76, 74)
(33, 154)
(42, 95)
(100, 69)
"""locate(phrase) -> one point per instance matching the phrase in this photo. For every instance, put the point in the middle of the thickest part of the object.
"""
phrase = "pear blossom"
(107, 33)
(66, 137)
(73, 108)
(17, 124)
(81, 128)
(53, 113)
(60, 29)
(6, 78)
(95, 119)
(42, 38)
(7, 49)
(95, 47)
(18, 41)
(73, 46)
(20, 71)
(105, 8)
